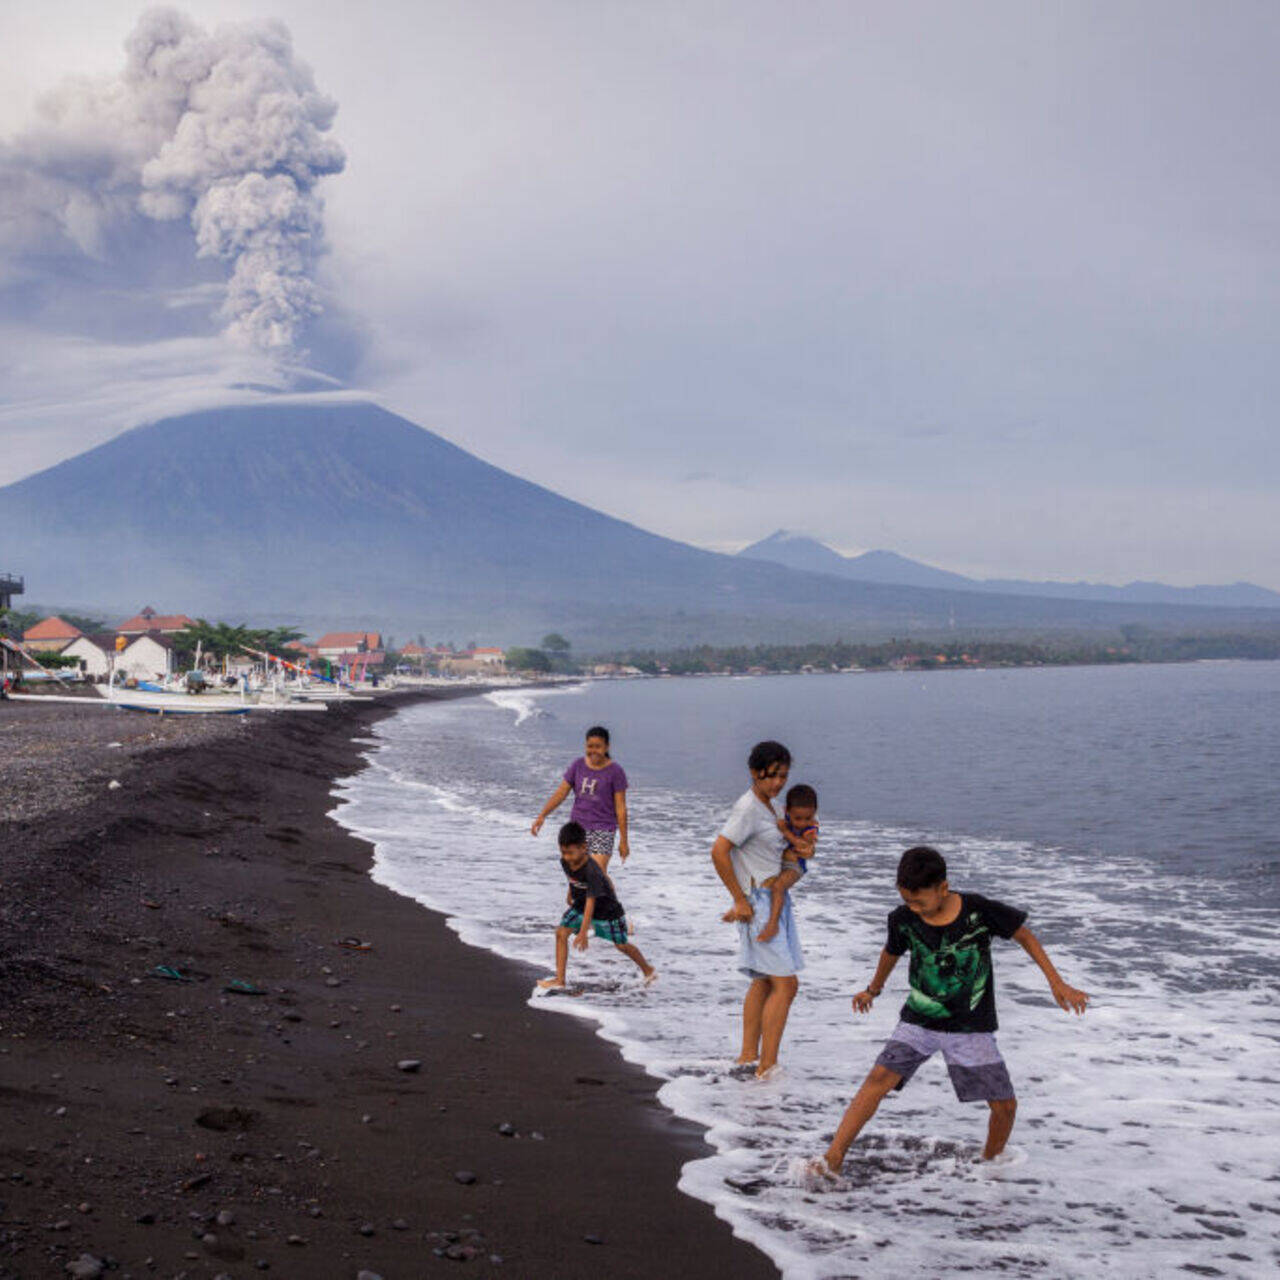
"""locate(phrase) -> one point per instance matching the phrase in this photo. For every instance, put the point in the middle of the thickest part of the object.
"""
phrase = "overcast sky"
(994, 285)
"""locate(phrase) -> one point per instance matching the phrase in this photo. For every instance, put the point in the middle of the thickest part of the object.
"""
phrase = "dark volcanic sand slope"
(137, 1110)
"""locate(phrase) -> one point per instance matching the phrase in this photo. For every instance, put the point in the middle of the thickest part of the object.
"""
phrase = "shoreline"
(174, 1128)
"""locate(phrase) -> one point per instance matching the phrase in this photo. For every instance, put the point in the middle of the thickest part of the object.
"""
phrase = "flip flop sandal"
(170, 973)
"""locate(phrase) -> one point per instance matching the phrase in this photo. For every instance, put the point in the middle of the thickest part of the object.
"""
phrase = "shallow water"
(1128, 809)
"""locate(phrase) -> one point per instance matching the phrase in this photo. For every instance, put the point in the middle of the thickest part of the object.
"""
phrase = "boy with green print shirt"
(951, 1005)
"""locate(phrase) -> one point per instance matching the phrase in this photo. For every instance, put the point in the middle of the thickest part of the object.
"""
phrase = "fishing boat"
(175, 702)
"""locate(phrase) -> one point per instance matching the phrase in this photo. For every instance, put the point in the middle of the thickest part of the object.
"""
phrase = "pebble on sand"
(409, 1064)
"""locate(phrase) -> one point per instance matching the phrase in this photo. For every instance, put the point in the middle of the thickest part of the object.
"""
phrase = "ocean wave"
(1140, 1147)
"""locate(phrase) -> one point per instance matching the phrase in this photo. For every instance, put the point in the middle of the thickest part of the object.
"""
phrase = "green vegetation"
(83, 622)
(550, 658)
(534, 661)
(13, 622)
(1137, 645)
(222, 640)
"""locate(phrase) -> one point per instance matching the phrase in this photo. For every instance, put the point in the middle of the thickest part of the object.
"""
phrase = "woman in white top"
(747, 852)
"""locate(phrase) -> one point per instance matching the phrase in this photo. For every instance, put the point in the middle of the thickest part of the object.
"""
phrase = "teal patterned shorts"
(614, 931)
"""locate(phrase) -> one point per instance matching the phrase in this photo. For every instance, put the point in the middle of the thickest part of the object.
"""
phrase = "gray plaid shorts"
(977, 1071)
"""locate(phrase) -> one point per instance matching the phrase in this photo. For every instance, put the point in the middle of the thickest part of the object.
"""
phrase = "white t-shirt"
(752, 829)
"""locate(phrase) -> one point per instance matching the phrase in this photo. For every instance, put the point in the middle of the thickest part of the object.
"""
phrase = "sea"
(1131, 810)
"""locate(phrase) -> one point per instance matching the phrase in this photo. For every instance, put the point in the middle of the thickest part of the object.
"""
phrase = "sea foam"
(1146, 1140)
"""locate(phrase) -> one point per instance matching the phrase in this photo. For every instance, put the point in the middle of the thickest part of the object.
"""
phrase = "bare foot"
(552, 984)
(768, 933)
(650, 978)
(817, 1171)
(769, 1073)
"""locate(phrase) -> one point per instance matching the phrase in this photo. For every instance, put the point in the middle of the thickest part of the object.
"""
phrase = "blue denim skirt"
(781, 956)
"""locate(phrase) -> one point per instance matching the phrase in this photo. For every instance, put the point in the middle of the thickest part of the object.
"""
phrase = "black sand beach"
(169, 1128)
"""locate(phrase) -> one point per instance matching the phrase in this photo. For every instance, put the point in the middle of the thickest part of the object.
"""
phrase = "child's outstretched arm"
(1068, 997)
(620, 815)
(863, 1001)
(584, 933)
(557, 799)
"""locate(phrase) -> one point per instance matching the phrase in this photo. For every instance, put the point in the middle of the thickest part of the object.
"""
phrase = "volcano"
(342, 513)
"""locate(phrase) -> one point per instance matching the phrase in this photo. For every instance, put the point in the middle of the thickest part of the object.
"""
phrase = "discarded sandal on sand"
(170, 973)
(354, 944)
(239, 987)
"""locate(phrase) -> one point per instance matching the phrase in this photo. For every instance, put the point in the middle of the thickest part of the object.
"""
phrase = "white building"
(149, 657)
(94, 654)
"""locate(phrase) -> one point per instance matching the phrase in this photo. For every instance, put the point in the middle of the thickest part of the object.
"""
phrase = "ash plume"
(223, 129)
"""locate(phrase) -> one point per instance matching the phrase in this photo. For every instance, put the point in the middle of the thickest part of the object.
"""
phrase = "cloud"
(83, 391)
(222, 134)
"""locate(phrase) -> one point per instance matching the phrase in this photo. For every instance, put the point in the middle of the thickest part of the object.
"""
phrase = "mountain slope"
(324, 513)
(798, 551)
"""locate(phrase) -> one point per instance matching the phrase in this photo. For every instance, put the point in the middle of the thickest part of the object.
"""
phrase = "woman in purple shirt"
(599, 787)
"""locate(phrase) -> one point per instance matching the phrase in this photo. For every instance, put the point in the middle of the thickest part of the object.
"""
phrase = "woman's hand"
(580, 941)
(741, 910)
(624, 848)
(537, 824)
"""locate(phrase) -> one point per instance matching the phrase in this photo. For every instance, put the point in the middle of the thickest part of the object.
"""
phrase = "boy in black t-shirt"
(593, 908)
(952, 1002)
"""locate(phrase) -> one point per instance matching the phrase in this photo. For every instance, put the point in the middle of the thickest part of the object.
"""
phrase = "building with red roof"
(50, 635)
(166, 624)
(337, 643)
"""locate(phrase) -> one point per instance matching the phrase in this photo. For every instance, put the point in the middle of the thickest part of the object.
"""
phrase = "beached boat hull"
(183, 704)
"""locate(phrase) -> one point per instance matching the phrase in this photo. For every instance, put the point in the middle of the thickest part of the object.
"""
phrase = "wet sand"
(171, 1128)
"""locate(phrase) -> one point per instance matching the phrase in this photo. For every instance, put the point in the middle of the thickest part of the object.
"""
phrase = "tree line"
(1133, 644)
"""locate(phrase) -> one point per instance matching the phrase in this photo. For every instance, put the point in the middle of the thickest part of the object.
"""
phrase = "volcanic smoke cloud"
(226, 129)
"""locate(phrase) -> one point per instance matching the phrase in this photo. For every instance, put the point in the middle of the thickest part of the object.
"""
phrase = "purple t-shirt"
(593, 792)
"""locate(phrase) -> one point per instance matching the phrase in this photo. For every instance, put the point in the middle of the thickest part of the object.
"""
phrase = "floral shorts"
(600, 843)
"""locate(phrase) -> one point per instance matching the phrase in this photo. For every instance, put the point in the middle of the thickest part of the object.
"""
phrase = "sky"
(992, 285)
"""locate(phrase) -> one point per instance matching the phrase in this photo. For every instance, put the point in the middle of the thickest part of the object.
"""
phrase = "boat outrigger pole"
(284, 662)
(31, 658)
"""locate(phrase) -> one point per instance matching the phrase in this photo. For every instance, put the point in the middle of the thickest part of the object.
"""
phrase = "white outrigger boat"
(306, 687)
(176, 701)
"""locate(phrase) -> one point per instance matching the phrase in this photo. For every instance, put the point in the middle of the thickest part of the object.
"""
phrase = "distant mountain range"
(800, 552)
(327, 514)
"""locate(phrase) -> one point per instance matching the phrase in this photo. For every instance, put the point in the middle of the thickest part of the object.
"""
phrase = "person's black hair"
(921, 868)
(764, 755)
(802, 796)
(599, 731)
(572, 833)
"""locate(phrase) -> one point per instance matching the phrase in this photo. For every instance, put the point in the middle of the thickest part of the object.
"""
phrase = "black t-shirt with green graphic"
(952, 985)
